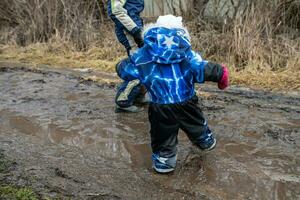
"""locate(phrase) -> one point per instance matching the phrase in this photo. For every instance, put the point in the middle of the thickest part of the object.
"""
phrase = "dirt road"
(65, 141)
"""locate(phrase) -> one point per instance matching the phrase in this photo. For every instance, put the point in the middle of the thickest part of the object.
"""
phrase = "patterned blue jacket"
(167, 66)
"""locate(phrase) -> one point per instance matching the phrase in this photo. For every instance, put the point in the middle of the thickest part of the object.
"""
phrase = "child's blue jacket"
(167, 66)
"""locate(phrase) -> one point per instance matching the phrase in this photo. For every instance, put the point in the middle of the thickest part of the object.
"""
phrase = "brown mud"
(62, 137)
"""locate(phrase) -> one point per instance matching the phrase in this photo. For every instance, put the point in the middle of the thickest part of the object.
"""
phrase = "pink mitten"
(224, 81)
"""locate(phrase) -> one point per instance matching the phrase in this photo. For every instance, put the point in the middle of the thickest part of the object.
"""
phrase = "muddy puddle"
(61, 130)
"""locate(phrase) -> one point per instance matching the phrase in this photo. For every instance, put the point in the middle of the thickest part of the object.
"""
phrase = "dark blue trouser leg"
(127, 93)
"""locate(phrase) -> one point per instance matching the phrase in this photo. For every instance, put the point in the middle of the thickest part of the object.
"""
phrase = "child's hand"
(224, 81)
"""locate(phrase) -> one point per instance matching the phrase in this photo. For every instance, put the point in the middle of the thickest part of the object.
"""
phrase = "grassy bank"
(259, 41)
(59, 54)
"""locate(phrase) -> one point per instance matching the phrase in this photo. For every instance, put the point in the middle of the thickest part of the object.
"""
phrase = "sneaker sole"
(162, 171)
(128, 110)
(211, 147)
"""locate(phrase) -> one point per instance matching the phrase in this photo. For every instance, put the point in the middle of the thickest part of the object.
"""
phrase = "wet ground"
(60, 130)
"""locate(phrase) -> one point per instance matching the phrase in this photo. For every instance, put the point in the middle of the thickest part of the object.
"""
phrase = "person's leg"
(164, 131)
(126, 95)
(120, 33)
(133, 46)
(129, 94)
(126, 39)
(193, 123)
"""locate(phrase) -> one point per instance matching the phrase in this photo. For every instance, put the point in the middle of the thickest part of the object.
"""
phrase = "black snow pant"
(167, 119)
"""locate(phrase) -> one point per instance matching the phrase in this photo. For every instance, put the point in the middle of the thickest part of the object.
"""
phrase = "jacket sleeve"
(197, 66)
(204, 70)
(120, 13)
(127, 70)
(213, 72)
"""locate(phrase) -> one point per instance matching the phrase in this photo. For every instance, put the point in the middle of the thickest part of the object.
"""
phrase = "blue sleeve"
(127, 70)
(198, 67)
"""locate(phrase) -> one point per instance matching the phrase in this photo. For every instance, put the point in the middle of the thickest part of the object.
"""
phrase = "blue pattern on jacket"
(165, 65)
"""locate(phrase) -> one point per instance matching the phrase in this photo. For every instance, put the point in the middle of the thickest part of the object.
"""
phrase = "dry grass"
(261, 45)
(103, 55)
(40, 54)
(31, 21)
(260, 42)
(60, 54)
(286, 80)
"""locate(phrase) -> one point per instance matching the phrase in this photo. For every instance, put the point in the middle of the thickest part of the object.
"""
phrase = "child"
(128, 27)
(168, 68)
(128, 23)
